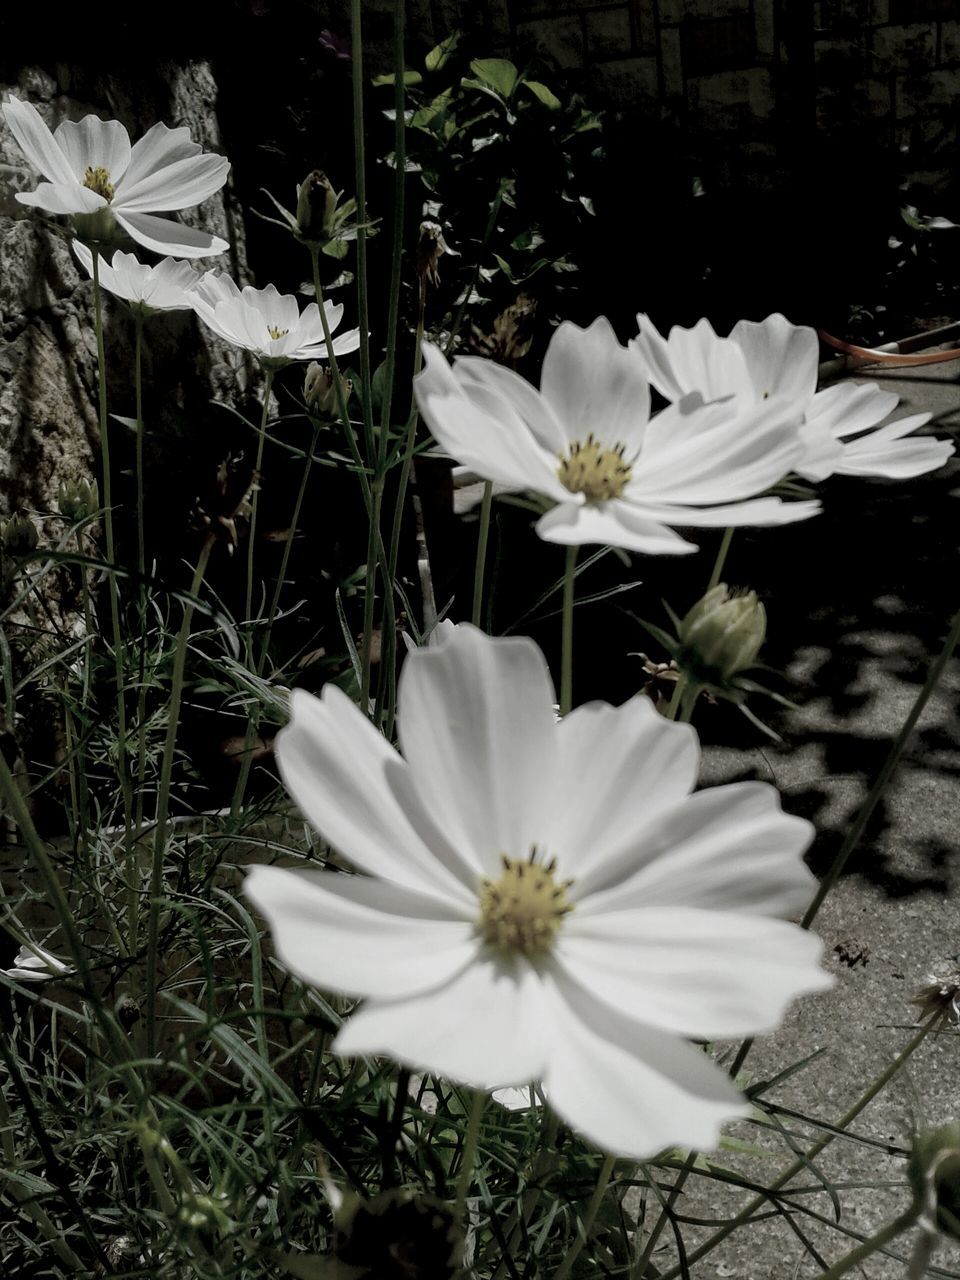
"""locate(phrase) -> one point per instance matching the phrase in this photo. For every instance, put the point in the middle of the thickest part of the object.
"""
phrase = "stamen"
(98, 180)
(594, 470)
(521, 911)
(276, 332)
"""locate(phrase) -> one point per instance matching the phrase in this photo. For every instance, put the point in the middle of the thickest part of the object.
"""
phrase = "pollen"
(276, 332)
(599, 473)
(98, 180)
(523, 909)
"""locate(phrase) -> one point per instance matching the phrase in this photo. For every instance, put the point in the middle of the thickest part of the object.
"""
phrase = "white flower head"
(586, 442)
(773, 357)
(96, 177)
(164, 287)
(34, 964)
(542, 901)
(267, 322)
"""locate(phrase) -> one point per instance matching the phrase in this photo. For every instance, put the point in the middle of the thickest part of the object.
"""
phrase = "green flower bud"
(19, 535)
(319, 390)
(723, 631)
(77, 499)
(934, 1171)
(316, 207)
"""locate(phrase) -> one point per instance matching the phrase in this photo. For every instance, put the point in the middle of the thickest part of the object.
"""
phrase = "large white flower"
(164, 287)
(542, 901)
(268, 322)
(96, 176)
(587, 442)
(773, 357)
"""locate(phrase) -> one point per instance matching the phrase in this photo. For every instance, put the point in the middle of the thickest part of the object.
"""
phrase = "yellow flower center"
(98, 180)
(593, 470)
(276, 332)
(522, 910)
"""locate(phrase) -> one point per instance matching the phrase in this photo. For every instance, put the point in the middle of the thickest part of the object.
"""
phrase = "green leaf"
(439, 54)
(546, 96)
(409, 77)
(498, 73)
(504, 266)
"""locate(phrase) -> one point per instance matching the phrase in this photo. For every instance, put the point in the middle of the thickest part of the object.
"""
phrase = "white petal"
(755, 511)
(699, 361)
(55, 197)
(352, 786)
(477, 729)
(705, 974)
(359, 936)
(488, 1027)
(849, 407)
(94, 144)
(165, 236)
(37, 142)
(617, 767)
(653, 353)
(631, 1089)
(822, 451)
(595, 386)
(894, 459)
(504, 386)
(729, 848)
(613, 524)
(177, 186)
(159, 147)
(217, 286)
(781, 357)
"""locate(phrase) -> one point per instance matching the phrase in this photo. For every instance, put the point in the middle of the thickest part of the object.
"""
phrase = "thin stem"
(113, 586)
(586, 1224)
(409, 442)
(483, 537)
(268, 375)
(133, 901)
(819, 1146)
(883, 777)
(400, 173)
(639, 1271)
(163, 795)
(138, 392)
(566, 644)
(721, 559)
(360, 179)
(370, 594)
(468, 1153)
(875, 1242)
(674, 704)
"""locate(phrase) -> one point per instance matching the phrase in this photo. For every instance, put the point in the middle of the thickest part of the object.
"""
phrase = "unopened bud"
(934, 1171)
(430, 249)
(316, 207)
(723, 631)
(19, 535)
(77, 499)
(320, 391)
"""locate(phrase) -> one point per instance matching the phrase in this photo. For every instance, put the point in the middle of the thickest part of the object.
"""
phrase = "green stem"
(287, 548)
(819, 1146)
(268, 375)
(400, 173)
(640, 1270)
(468, 1153)
(409, 442)
(138, 392)
(113, 585)
(133, 900)
(370, 594)
(875, 1242)
(721, 559)
(483, 537)
(360, 179)
(586, 1224)
(883, 777)
(163, 794)
(674, 704)
(566, 648)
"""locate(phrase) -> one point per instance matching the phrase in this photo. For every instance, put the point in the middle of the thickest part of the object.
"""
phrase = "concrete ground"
(859, 603)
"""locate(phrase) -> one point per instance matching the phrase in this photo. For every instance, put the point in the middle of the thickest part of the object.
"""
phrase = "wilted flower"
(724, 630)
(227, 508)
(100, 181)
(268, 323)
(77, 499)
(941, 994)
(165, 287)
(430, 249)
(777, 358)
(542, 901)
(35, 964)
(934, 1171)
(511, 338)
(587, 443)
(319, 389)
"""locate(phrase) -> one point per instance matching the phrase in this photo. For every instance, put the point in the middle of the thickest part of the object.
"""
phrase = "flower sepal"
(320, 222)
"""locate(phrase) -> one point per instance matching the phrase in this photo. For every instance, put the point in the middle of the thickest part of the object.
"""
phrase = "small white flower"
(96, 177)
(542, 901)
(776, 358)
(161, 288)
(36, 965)
(267, 322)
(586, 441)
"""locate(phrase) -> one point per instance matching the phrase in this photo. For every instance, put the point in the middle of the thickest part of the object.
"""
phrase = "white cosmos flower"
(36, 965)
(773, 357)
(541, 901)
(586, 441)
(267, 322)
(163, 287)
(96, 176)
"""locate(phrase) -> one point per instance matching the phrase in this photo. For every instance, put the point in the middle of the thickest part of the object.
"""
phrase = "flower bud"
(723, 631)
(934, 1171)
(19, 535)
(77, 499)
(319, 389)
(430, 249)
(398, 1235)
(316, 207)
